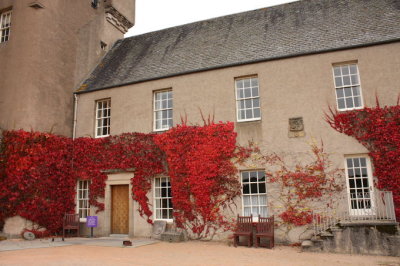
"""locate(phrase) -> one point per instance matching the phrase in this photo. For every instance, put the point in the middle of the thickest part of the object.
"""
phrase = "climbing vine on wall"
(378, 129)
(203, 175)
(39, 171)
(297, 188)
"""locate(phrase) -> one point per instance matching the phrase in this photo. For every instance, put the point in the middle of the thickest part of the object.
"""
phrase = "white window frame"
(158, 108)
(251, 98)
(83, 197)
(255, 217)
(160, 197)
(353, 85)
(360, 211)
(100, 119)
(5, 16)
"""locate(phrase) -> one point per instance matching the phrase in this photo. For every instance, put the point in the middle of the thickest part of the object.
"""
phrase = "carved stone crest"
(296, 127)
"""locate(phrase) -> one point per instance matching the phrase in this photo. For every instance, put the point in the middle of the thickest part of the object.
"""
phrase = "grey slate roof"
(304, 27)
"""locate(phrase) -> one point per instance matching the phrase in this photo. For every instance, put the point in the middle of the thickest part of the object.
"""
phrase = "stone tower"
(47, 47)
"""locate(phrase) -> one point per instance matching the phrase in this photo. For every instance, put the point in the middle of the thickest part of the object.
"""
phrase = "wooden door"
(120, 209)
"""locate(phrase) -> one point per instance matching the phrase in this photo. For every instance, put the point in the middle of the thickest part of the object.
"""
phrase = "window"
(162, 198)
(254, 193)
(83, 199)
(359, 184)
(348, 89)
(103, 115)
(163, 110)
(248, 99)
(5, 25)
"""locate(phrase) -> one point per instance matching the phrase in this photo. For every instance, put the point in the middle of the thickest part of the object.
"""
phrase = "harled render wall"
(299, 86)
(50, 51)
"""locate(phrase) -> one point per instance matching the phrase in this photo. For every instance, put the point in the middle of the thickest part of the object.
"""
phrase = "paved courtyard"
(110, 251)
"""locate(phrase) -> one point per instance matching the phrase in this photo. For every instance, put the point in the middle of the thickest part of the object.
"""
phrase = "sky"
(152, 15)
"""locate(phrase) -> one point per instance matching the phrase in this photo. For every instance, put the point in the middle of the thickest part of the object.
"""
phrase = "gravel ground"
(189, 253)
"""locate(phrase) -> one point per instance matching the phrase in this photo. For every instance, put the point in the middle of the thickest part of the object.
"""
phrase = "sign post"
(91, 221)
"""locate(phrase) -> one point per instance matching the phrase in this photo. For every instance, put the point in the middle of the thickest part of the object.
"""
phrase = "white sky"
(152, 15)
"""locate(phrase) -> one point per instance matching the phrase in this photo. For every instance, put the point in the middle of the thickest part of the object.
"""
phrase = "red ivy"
(302, 185)
(378, 129)
(39, 171)
(203, 176)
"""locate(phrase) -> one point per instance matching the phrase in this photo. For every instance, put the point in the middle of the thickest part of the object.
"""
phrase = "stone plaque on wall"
(296, 127)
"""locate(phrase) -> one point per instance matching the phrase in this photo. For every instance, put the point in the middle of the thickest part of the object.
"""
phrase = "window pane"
(263, 211)
(350, 172)
(262, 200)
(256, 102)
(255, 211)
(249, 114)
(247, 104)
(247, 93)
(338, 82)
(349, 103)
(246, 189)
(261, 187)
(354, 79)
(356, 91)
(345, 70)
(347, 92)
(254, 91)
(339, 93)
(257, 113)
(341, 103)
(349, 162)
(245, 176)
(353, 69)
(336, 71)
(254, 82)
(242, 114)
(346, 81)
(254, 200)
(239, 84)
(357, 101)
(253, 188)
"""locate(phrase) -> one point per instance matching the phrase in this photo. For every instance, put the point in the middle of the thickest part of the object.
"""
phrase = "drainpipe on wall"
(75, 115)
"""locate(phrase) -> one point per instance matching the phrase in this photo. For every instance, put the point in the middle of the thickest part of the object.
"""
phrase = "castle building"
(47, 48)
(272, 71)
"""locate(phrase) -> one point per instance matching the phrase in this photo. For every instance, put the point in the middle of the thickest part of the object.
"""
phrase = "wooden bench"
(265, 229)
(70, 222)
(244, 228)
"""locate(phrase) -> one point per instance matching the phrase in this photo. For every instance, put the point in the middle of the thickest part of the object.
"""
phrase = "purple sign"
(91, 221)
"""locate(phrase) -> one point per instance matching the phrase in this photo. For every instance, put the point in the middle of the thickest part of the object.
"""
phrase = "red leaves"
(203, 176)
(39, 172)
(378, 129)
(300, 186)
